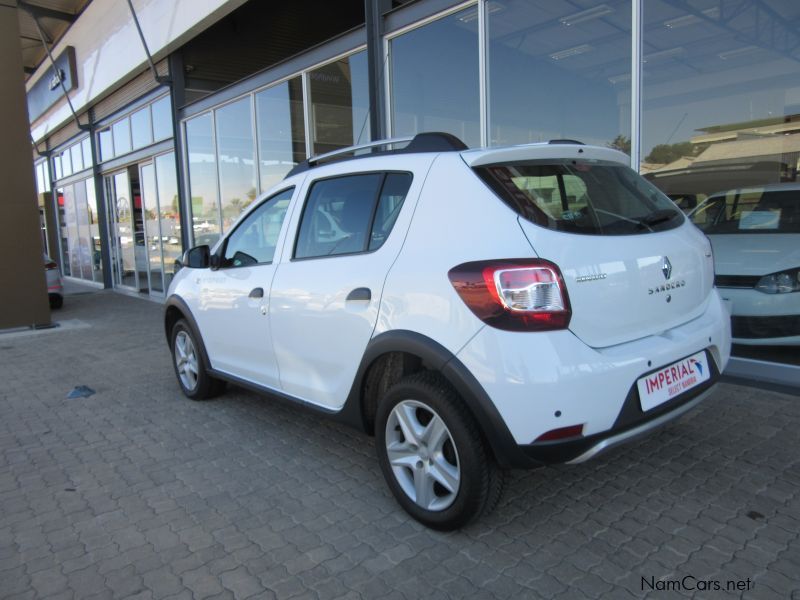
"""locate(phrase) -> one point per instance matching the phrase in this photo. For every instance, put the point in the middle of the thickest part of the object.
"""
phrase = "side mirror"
(197, 257)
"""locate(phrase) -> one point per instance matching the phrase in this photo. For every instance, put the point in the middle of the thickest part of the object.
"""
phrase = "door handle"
(256, 293)
(361, 293)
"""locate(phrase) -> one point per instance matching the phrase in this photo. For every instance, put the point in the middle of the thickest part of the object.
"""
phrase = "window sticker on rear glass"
(760, 219)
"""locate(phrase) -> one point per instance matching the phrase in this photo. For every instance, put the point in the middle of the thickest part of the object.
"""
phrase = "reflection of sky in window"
(435, 78)
(559, 70)
(237, 173)
(703, 70)
(202, 167)
(281, 134)
(359, 86)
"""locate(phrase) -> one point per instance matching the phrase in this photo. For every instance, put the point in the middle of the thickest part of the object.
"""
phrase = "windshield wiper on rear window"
(659, 216)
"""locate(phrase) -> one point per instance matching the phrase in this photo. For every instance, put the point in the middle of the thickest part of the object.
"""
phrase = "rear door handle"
(256, 293)
(361, 293)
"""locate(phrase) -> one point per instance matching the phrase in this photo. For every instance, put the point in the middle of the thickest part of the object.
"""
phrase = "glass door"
(121, 230)
(152, 229)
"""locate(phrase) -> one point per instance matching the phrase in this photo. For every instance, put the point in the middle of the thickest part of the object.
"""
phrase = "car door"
(233, 311)
(326, 292)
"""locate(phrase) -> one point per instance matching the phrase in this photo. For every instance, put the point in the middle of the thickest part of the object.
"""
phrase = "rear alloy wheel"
(195, 382)
(432, 454)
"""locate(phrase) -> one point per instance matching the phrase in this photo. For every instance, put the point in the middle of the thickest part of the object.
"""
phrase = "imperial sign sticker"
(658, 387)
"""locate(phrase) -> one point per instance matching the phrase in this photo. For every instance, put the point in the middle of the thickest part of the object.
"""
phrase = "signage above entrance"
(47, 90)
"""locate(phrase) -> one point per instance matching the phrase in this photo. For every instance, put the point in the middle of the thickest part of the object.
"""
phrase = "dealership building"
(155, 123)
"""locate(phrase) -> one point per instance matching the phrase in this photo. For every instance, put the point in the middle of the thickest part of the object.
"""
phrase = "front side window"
(254, 241)
(583, 196)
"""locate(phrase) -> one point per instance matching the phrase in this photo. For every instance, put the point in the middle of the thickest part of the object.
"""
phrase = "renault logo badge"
(666, 268)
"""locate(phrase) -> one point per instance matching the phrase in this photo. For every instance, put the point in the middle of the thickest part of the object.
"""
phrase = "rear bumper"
(539, 383)
(631, 424)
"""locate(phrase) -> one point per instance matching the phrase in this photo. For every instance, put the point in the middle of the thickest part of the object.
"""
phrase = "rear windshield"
(750, 211)
(583, 196)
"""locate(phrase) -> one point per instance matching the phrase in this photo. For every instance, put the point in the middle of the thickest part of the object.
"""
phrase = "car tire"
(187, 352)
(432, 454)
(56, 300)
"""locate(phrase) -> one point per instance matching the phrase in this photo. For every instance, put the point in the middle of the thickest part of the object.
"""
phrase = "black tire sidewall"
(472, 456)
(202, 386)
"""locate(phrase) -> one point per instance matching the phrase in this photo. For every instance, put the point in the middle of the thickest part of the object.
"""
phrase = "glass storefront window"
(169, 216)
(558, 73)
(202, 179)
(63, 231)
(281, 130)
(77, 157)
(721, 124)
(86, 146)
(434, 78)
(122, 136)
(66, 164)
(94, 231)
(141, 129)
(152, 233)
(57, 166)
(236, 160)
(71, 229)
(106, 142)
(340, 103)
(162, 119)
(84, 248)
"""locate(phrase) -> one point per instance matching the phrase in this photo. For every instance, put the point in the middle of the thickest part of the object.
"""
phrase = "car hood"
(755, 253)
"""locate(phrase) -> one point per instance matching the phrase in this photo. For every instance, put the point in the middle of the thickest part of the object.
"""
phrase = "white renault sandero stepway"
(475, 310)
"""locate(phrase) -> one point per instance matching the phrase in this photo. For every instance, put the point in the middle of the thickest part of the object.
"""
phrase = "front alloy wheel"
(187, 350)
(186, 360)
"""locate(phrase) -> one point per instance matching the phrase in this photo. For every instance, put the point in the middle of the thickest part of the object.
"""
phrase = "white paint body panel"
(457, 220)
(319, 337)
(620, 307)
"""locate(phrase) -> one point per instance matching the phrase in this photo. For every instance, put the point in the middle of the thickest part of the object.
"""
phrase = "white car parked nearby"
(475, 310)
(755, 233)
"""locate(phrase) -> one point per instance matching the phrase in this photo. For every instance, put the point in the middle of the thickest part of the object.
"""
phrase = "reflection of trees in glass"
(667, 153)
(621, 143)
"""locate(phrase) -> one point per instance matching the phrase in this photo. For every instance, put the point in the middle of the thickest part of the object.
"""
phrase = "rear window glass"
(583, 196)
(751, 210)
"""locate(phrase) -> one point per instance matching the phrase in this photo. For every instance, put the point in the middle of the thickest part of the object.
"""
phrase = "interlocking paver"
(137, 492)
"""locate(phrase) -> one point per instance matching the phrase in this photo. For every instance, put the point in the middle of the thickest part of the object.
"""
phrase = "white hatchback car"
(475, 310)
(755, 233)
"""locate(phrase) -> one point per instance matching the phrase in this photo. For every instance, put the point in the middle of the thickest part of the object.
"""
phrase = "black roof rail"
(576, 142)
(432, 141)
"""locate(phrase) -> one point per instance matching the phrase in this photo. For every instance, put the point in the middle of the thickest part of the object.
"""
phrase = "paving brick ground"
(137, 492)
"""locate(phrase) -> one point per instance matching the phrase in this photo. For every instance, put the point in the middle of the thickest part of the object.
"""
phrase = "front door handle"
(256, 293)
(361, 293)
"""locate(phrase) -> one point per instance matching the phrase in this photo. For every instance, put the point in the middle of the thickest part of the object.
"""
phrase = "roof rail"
(433, 141)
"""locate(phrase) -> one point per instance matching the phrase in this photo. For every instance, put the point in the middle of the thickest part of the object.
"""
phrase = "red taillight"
(50, 265)
(560, 433)
(514, 294)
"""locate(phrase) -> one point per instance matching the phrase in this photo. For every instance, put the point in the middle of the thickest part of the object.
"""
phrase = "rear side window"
(752, 210)
(583, 196)
(346, 215)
